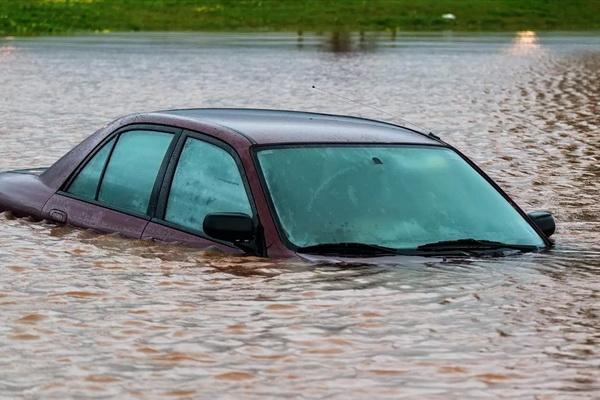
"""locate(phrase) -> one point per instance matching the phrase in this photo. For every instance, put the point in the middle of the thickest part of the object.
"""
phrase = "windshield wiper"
(349, 249)
(473, 244)
(365, 249)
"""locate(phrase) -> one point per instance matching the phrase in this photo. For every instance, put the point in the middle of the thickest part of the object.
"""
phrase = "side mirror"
(544, 220)
(230, 227)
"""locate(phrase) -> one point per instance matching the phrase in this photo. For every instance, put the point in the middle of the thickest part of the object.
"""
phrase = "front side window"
(124, 179)
(394, 196)
(207, 180)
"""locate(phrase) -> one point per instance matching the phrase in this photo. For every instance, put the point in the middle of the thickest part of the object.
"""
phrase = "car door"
(205, 176)
(115, 188)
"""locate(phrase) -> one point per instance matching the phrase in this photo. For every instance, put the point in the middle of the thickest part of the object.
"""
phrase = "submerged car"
(278, 184)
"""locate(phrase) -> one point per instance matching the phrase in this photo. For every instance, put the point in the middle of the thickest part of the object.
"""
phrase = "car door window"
(132, 170)
(206, 180)
(86, 183)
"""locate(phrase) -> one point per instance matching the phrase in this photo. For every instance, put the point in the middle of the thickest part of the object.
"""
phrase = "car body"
(143, 175)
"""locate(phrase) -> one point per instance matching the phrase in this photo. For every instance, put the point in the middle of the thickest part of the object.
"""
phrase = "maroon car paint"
(86, 215)
(24, 194)
(162, 233)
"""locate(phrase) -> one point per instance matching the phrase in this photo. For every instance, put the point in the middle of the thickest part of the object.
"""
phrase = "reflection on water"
(6, 50)
(346, 42)
(525, 42)
(96, 316)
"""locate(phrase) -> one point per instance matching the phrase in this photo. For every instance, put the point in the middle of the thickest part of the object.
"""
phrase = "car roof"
(282, 126)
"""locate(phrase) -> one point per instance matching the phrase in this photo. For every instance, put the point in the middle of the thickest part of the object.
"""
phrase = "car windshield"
(397, 196)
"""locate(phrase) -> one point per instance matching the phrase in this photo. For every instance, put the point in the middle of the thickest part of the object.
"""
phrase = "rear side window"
(132, 170)
(207, 180)
(86, 183)
(124, 179)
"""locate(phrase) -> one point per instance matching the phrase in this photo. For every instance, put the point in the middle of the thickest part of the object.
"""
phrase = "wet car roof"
(279, 126)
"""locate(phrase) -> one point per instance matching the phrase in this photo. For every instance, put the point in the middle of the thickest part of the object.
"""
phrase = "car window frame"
(255, 149)
(165, 190)
(116, 134)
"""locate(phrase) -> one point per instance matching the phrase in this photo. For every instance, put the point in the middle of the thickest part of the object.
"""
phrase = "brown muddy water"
(84, 315)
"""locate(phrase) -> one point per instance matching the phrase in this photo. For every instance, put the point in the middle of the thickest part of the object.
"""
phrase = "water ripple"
(98, 316)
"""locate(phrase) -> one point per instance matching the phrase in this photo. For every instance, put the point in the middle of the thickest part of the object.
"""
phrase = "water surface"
(96, 316)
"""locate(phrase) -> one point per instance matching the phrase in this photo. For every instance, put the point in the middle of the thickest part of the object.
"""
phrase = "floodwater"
(84, 315)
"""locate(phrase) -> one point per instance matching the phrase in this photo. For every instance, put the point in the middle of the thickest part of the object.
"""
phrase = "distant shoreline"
(52, 17)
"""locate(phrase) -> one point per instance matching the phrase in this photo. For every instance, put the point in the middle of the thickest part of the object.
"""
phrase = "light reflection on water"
(87, 315)
(525, 42)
